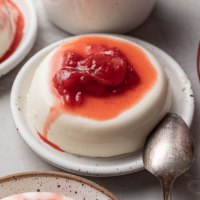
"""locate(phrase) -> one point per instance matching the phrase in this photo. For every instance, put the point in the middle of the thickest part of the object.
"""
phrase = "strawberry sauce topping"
(103, 71)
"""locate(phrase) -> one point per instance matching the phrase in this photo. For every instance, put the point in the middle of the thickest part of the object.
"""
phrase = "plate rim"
(29, 39)
(22, 175)
(74, 169)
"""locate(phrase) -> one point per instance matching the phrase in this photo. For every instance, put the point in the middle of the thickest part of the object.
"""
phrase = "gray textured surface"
(174, 27)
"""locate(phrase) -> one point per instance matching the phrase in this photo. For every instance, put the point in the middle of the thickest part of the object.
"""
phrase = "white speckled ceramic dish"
(28, 39)
(183, 104)
(55, 182)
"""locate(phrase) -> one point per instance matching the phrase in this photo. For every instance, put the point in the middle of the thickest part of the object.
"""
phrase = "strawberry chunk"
(71, 59)
(106, 69)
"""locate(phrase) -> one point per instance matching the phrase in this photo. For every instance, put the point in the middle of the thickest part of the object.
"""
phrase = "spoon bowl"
(169, 151)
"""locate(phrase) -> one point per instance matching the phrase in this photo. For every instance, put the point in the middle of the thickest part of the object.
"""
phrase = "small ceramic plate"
(183, 104)
(55, 182)
(28, 39)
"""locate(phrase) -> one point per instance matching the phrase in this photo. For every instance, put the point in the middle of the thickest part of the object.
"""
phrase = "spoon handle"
(167, 184)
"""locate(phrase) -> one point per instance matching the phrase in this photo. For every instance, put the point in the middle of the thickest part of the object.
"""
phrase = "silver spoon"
(168, 151)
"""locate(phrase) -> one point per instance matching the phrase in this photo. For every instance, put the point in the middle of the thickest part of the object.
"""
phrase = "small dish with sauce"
(82, 157)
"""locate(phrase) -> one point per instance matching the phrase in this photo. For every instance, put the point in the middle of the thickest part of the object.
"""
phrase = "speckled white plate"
(55, 182)
(183, 104)
(28, 39)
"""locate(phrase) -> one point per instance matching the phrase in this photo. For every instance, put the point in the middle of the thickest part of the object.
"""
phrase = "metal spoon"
(168, 151)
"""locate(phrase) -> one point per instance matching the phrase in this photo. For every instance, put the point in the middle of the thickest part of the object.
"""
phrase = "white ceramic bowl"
(86, 16)
(182, 104)
(28, 39)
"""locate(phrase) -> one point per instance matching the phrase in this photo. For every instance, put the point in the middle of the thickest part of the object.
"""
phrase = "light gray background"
(174, 26)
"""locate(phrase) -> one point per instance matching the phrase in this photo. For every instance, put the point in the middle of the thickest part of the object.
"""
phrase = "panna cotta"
(11, 28)
(37, 196)
(97, 96)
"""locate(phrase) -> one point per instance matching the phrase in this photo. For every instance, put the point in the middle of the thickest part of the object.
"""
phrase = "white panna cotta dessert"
(37, 196)
(97, 96)
(7, 26)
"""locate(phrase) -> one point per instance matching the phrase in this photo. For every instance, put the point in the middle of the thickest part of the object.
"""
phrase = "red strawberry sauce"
(102, 71)
(19, 20)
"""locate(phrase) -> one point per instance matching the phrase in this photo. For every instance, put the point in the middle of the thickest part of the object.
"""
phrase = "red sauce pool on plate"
(50, 143)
